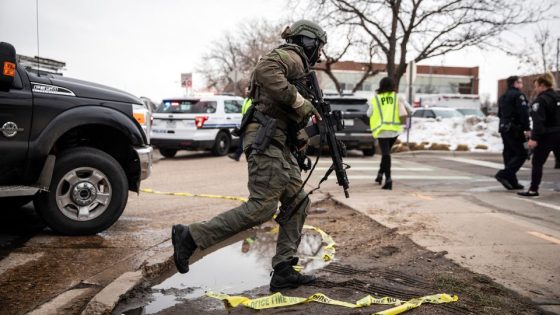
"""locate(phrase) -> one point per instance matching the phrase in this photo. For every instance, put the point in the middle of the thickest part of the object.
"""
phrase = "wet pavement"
(38, 266)
(233, 269)
(17, 225)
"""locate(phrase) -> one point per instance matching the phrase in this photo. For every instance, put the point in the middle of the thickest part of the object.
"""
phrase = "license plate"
(348, 122)
(171, 124)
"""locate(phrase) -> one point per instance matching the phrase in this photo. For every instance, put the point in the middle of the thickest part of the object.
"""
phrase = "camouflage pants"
(273, 176)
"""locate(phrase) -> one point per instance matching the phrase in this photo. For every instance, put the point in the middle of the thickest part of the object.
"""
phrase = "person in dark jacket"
(545, 136)
(514, 128)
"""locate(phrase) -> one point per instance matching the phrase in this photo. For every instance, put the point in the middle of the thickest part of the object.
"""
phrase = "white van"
(196, 123)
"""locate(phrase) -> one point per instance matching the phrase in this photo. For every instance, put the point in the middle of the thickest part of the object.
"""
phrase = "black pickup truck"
(73, 147)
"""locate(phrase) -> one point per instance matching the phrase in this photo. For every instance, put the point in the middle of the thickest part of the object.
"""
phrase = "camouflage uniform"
(274, 175)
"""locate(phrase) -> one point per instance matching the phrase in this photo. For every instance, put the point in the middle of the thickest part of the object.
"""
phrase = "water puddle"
(239, 264)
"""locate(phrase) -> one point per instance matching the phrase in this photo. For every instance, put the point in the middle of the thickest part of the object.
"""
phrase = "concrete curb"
(105, 300)
(153, 267)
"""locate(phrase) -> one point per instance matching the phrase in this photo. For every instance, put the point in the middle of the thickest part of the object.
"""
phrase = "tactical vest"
(385, 114)
(287, 116)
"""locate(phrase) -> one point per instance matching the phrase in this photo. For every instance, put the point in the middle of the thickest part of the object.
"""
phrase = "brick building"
(527, 84)
(429, 79)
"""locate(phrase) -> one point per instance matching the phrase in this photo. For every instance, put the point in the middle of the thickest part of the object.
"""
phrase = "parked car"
(436, 113)
(471, 112)
(196, 123)
(356, 134)
(73, 147)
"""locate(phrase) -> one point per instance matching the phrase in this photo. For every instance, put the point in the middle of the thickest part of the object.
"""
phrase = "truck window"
(418, 113)
(429, 114)
(187, 107)
(232, 107)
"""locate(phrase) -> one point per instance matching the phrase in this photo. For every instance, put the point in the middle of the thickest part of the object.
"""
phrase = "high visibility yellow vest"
(246, 104)
(385, 114)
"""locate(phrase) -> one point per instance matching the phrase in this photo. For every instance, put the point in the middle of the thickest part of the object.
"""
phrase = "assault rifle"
(331, 121)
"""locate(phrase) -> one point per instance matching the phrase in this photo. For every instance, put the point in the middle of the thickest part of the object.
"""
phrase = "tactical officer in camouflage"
(274, 174)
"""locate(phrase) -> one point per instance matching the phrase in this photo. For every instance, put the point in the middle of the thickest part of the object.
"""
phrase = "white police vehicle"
(196, 123)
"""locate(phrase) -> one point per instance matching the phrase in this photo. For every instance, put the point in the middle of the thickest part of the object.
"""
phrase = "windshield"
(448, 113)
(187, 107)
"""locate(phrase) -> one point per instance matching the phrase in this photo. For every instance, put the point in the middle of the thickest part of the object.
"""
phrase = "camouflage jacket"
(271, 87)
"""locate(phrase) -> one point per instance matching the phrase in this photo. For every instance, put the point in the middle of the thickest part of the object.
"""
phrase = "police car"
(196, 123)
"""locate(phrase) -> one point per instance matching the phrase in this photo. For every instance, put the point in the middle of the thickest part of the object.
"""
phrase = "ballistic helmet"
(309, 36)
(305, 28)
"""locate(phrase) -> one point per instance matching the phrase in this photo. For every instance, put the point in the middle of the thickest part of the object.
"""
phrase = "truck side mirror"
(7, 66)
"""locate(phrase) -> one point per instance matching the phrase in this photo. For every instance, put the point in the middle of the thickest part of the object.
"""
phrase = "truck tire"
(222, 144)
(168, 153)
(87, 194)
(368, 152)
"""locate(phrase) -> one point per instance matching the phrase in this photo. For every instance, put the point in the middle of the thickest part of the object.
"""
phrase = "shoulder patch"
(535, 107)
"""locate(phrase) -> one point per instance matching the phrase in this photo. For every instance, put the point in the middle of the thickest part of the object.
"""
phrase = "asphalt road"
(443, 201)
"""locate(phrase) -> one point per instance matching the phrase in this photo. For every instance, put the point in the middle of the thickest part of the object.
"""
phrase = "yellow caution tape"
(279, 300)
(328, 249)
(186, 194)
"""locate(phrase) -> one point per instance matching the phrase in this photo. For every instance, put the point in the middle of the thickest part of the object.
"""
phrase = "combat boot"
(379, 178)
(285, 277)
(503, 180)
(388, 184)
(183, 247)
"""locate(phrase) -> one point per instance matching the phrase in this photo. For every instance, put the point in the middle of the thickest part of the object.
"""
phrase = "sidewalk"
(511, 251)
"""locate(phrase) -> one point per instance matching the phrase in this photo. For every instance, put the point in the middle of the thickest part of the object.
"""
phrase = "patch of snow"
(469, 130)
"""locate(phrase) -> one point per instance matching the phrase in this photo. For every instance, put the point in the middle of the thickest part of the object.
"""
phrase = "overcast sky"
(142, 46)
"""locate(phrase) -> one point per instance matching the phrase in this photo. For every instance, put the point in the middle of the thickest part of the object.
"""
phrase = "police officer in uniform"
(545, 136)
(274, 174)
(514, 127)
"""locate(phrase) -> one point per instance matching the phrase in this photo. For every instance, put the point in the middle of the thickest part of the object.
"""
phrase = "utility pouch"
(264, 134)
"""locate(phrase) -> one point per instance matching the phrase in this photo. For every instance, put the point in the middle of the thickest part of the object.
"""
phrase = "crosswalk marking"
(540, 203)
(419, 177)
(545, 237)
(376, 168)
(493, 165)
(327, 160)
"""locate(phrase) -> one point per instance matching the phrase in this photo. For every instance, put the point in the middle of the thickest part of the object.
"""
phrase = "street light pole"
(557, 58)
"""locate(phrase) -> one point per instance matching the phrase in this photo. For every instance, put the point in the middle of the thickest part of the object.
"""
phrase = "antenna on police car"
(37, 16)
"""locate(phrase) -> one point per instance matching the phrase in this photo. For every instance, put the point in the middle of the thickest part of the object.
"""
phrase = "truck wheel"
(87, 194)
(222, 144)
(168, 153)
(368, 152)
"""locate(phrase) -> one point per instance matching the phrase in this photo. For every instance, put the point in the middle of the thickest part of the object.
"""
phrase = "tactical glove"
(306, 110)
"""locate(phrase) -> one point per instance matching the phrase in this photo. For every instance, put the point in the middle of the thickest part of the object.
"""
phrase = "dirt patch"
(372, 259)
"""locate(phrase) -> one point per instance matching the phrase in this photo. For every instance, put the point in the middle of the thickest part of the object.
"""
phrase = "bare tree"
(369, 70)
(230, 60)
(538, 55)
(348, 43)
(416, 30)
